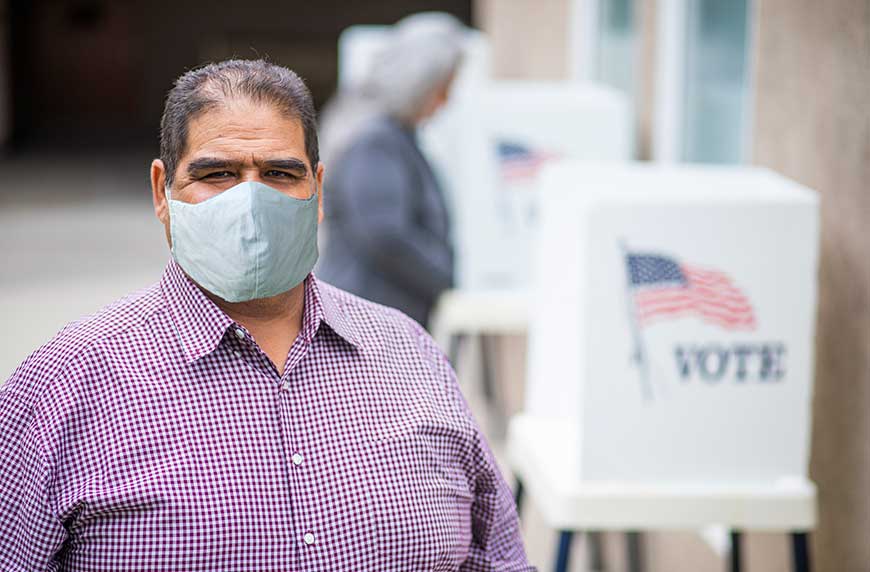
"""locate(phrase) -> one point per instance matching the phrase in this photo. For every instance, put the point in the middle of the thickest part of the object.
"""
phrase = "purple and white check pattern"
(156, 435)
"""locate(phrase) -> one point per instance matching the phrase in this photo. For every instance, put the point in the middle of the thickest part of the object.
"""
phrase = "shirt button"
(240, 334)
(237, 353)
(308, 538)
(296, 458)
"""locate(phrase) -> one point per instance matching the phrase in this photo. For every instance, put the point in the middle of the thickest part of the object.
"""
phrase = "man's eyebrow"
(204, 163)
(291, 164)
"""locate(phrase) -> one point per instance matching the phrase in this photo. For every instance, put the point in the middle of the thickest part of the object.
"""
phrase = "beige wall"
(812, 123)
(646, 58)
(529, 37)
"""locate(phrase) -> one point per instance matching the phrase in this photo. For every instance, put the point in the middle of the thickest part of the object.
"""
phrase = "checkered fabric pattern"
(156, 435)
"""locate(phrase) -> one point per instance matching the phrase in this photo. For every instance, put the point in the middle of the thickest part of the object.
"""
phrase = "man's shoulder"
(80, 340)
(383, 327)
(370, 317)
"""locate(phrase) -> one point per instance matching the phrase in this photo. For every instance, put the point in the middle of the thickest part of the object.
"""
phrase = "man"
(240, 414)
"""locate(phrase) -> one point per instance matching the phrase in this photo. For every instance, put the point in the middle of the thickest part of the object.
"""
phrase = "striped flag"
(664, 288)
(521, 163)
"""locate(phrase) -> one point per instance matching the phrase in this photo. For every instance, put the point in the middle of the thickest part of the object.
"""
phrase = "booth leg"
(486, 367)
(800, 552)
(491, 393)
(736, 538)
(518, 494)
(565, 538)
(634, 548)
(453, 350)
(595, 543)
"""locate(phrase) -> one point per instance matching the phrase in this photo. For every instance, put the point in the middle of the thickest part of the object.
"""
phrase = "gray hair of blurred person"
(205, 88)
(420, 55)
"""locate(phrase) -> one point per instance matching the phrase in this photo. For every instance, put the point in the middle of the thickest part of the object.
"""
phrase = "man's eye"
(281, 174)
(218, 175)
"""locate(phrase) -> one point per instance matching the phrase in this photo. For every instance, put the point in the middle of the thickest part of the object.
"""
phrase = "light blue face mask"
(247, 242)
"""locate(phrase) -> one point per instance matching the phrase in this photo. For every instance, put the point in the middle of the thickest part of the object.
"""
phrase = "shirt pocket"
(423, 506)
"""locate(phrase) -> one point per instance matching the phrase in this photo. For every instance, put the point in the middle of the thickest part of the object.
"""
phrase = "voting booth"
(673, 319)
(514, 130)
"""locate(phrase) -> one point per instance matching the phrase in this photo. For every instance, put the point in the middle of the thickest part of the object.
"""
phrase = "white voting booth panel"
(672, 321)
(525, 126)
(570, 119)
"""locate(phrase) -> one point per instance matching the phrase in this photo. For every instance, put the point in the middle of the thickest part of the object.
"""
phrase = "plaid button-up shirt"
(157, 435)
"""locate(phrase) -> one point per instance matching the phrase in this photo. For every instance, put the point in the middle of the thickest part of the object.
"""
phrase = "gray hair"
(420, 55)
(205, 88)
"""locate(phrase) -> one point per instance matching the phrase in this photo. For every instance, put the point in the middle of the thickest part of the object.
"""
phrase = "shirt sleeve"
(30, 533)
(379, 190)
(496, 542)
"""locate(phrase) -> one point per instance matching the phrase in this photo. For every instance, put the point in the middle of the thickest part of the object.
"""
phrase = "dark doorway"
(92, 74)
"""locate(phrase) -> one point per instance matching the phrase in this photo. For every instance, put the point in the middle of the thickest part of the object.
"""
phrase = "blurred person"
(241, 414)
(387, 227)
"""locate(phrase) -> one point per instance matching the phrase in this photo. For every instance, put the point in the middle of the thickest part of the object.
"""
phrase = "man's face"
(238, 142)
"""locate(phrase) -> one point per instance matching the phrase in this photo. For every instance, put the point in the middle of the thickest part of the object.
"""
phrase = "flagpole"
(639, 355)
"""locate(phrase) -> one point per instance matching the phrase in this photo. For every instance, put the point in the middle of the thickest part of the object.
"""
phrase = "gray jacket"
(386, 222)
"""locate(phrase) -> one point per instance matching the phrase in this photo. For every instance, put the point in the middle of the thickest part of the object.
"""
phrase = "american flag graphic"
(663, 288)
(520, 163)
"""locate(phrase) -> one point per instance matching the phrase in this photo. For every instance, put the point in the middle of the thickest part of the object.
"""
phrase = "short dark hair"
(205, 88)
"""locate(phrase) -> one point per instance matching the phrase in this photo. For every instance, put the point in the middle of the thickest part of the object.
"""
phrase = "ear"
(319, 176)
(158, 191)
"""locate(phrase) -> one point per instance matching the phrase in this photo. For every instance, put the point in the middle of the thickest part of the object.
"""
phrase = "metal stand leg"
(595, 544)
(453, 351)
(565, 537)
(498, 423)
(518, 494)
(800, 552)
(634, 547)
(735, 550)
(486, 375)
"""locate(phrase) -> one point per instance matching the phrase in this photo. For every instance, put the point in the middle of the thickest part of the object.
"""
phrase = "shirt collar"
(201, 325)
(321, 306)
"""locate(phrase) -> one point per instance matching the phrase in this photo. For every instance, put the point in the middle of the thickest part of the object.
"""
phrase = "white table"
(475, 312)
(540, 456)
(463, 314)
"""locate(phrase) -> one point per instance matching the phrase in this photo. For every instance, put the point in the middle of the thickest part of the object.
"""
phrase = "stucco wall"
(529, 37)
(812, 123)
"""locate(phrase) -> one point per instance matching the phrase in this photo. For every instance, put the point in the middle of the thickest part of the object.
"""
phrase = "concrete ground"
(77, 232)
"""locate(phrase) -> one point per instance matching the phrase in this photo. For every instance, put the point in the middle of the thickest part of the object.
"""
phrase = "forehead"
(244, 128)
